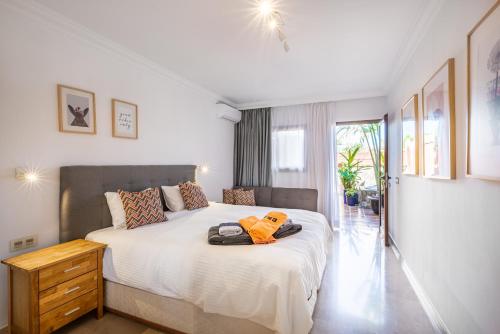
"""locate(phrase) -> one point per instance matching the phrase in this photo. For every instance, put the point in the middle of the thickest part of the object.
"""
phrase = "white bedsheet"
(274, 285)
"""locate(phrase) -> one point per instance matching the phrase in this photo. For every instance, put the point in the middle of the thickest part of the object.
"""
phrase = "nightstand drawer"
(64, 271)
(68, 312)
(64, 292)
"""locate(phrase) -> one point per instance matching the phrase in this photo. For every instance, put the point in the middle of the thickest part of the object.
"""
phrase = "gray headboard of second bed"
(83, 207)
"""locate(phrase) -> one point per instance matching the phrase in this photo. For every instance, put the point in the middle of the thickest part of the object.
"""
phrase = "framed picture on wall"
(483, 67)
(76, 110)
(438, 123)
(124, 119)
(409, 136)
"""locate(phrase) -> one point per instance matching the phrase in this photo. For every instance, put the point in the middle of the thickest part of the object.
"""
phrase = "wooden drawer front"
(66, 270)
(64, 292)
(68, 312)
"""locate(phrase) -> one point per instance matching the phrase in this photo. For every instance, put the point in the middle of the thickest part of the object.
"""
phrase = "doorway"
(361, 174)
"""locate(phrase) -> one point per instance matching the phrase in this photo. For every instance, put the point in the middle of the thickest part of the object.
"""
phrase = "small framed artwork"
(438, 123)
(76, 109)
(124, 119)
(483, 68)
(409, 136)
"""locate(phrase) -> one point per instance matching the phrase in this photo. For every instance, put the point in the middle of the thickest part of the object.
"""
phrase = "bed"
(169, 276)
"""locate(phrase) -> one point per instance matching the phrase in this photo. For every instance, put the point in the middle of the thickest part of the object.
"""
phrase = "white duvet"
(274, 285)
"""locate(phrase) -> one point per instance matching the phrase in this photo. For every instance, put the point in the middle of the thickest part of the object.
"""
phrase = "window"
(288, 149)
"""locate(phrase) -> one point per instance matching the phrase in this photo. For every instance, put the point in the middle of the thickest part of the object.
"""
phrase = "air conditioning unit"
(227, 112)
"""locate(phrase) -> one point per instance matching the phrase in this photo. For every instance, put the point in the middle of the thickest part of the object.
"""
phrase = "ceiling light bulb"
(273, 24)
(265, 7)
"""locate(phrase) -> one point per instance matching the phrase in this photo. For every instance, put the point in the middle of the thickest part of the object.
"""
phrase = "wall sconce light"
(204, 169)
(30, 176)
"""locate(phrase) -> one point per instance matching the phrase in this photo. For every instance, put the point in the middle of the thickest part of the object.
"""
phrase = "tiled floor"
(364, 290)
(359, 215)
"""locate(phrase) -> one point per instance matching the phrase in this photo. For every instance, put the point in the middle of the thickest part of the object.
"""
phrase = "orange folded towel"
(248, 222)
(276, 218)
(261, 230)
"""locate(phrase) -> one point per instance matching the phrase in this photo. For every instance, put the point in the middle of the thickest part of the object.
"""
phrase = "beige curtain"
(306, 132)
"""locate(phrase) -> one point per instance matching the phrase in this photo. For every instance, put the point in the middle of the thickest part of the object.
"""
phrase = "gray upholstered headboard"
(83, 207)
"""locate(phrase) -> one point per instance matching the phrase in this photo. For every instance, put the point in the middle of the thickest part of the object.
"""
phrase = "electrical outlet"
(23, 243)
(30, 241)
(16, 245)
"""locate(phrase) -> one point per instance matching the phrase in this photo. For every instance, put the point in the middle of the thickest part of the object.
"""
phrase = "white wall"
(448, 231)
(177, 123)
(361, 109)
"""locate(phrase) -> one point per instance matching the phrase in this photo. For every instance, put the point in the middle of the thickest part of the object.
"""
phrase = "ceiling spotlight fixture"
(265, 8)
(286, 47)
(281, 35)
(272, 18)
(273, 24)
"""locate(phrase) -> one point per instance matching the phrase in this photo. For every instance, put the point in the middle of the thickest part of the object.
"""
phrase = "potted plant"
(349, 171)
(352, 196)
(347, 178)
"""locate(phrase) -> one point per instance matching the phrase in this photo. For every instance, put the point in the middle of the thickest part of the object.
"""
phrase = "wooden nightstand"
(53, 286)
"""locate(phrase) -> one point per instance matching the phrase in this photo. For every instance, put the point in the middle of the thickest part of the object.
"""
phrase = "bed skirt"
(173, 315)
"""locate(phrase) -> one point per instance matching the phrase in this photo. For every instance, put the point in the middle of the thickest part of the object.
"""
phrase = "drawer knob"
(71, 269)
(71, 290)
(71, 311)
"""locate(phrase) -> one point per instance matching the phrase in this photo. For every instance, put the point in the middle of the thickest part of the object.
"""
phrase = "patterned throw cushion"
(227, 196)
(244, 197)
(142, 208)
(193, 196)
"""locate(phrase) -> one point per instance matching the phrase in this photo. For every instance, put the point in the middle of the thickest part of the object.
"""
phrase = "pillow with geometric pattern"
(142, 208)
(193, 196)
(227, 196)
(244, 197)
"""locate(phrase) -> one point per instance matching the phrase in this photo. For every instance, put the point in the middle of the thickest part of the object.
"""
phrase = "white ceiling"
(339, 48)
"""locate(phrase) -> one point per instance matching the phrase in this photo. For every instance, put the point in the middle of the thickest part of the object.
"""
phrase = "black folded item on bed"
(214, 238)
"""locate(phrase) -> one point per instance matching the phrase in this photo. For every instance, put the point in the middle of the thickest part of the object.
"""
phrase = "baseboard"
(436, 320)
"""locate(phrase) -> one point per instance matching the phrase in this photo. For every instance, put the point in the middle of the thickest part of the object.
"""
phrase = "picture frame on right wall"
(438, 124)
(483, 85)
(409, 137)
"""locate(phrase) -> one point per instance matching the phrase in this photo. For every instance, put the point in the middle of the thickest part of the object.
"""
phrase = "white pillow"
(173, 198)
(116, 208)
